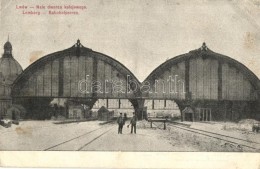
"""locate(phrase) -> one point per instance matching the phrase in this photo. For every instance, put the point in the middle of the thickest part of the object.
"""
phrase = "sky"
(139, 34)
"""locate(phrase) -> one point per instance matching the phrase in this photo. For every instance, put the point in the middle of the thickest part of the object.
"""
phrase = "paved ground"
(144, 140)
(44, 135)
(39, 135)
(91, 136)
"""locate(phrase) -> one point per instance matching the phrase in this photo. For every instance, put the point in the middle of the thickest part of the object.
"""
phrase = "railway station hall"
(78, 82)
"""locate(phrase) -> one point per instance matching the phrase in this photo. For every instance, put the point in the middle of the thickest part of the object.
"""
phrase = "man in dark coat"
(133, 123)
(124, 120)
(120, 122)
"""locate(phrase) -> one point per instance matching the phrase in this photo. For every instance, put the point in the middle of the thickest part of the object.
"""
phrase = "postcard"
(130, 84)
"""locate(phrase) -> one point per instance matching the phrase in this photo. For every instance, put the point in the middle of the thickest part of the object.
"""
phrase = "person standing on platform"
(133, 123)
(124, 119)
(120, 122)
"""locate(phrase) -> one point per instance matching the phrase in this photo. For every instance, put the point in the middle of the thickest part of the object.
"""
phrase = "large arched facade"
(207, 81)
(77, 73)
(213, 84)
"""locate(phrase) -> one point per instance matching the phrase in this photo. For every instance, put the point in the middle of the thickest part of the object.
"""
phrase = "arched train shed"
(208, 82)
(77, 73)
(217, 87)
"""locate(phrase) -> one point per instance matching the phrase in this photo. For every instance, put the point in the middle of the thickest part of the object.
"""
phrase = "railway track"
(85, 145)
(238, 142)
(82, 136)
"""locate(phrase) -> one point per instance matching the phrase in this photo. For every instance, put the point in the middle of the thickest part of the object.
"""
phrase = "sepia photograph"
(139, 76)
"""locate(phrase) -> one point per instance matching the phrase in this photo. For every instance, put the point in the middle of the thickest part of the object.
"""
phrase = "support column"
(138, 106)
(206, 110)
(95, 64)
(203, 115)
(219, 80)
(209, 114)
(199, 113)
(187, 78)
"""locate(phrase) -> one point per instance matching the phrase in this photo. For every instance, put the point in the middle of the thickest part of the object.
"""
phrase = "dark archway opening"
(107, 109)
(158, 108)
(44, 108)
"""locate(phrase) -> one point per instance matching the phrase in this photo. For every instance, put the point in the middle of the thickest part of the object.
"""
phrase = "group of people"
(121, 122)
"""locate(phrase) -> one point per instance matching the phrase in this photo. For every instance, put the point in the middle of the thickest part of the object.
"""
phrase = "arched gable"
(203, 74)
(75, 72)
